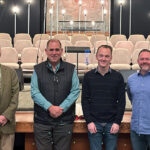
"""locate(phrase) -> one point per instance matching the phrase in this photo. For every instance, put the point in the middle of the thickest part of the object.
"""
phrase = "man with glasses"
(138, 89)
(54, 90)
(103, 101)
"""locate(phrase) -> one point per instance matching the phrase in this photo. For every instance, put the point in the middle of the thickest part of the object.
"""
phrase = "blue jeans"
(103, 134)
(140, 141)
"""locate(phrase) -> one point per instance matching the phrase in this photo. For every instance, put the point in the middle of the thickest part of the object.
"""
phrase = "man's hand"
(55, 111)
(114, 129)
(92, 127)
(3, 120)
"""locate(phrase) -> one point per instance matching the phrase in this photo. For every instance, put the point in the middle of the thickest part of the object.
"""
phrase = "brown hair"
(144, 50)
(53, 40)
(104, 46)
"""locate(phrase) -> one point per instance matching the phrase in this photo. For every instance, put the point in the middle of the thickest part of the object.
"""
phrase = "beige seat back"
(5, 36)
(98, 37)
(136, 37)
(61, 37)
(121, 59)
(142, 45)
(21, 44)
(22, 36)
(41, 44)
(117, 37)
(125, 44)
(40, 37)
(9, 57)
(78, 37)
(5, 43)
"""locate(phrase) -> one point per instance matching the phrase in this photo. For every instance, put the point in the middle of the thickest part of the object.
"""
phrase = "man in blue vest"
(54, 89)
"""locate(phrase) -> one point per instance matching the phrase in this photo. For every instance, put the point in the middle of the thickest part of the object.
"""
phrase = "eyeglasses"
(52, 49)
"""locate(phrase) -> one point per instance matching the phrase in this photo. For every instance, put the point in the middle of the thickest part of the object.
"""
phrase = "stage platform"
(24, 124)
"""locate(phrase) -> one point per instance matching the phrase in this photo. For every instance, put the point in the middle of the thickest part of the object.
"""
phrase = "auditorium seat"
(148, 38)
(135, 54)
(21, 44)
(78, 37)
(93, 61)
(22, 36)
(142, 45)
(71, 57)
(61, 37)
(83, 43)
(40, 37)
(9, 57)
(65, 43)
(117, 37)
(41, 44)
(103, 42)
(29, 58)
(136, 37)
(97, 37)
(5, 36)
(5, 43)
(125, 44)
(121, 59)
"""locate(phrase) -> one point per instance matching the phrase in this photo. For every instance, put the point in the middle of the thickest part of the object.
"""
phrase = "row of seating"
(41, 44)
(86, 61)
(76, 37)
(29, 57)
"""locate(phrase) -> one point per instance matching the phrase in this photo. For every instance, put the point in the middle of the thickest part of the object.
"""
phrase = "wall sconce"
(1, 2)
(52, 2)
(80, 2)
(71, 23)
(93, 23)
(29, 3)
(63, 12)
(121, 2)
(15, 10)
(105, 12)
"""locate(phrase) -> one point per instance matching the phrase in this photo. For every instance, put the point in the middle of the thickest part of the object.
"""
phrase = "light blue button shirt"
(138, 90)
(39, 99)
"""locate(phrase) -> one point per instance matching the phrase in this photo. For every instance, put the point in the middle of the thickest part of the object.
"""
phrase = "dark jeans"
(103, 134)
(140, 141)
(53, 137)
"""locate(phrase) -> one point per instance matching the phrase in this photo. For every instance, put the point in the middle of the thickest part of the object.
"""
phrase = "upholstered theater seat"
(121, 59)
(117, 37)
(9, 57)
